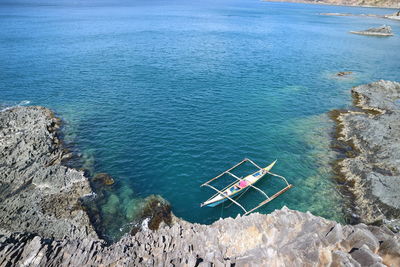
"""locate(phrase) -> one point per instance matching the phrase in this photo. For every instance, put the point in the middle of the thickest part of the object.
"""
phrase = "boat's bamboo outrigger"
(236, 187)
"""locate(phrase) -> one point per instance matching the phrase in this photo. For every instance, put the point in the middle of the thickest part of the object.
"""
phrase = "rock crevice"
(371, 171)
(43, 224)
(37, 193)
(282, 238)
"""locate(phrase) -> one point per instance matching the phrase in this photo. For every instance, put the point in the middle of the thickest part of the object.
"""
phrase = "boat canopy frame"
(262, 203)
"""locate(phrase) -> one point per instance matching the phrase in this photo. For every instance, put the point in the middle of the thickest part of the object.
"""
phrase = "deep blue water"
(164, 95)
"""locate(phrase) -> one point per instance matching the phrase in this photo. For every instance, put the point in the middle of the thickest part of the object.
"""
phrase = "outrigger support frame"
(252, 162)
(268, 199)
(218, 176)
(258, 189)
(231, 199)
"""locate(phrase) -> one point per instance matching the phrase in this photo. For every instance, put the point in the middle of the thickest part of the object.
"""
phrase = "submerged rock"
(103, 179)
(343, 73)
(379, 31)
(152, 214)
(43, 224)
(37, 193)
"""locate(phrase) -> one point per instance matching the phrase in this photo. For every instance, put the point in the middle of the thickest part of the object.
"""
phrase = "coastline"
(332, 4)
(282, 238)
(37, 193)
(390, 17)
(369, 136)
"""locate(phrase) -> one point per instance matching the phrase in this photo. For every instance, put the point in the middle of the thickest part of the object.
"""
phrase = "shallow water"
(164, 95)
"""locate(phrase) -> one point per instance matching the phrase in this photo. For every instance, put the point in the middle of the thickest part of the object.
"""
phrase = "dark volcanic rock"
(154, 212)
(37, 194)
(103, 179)
(157, 210)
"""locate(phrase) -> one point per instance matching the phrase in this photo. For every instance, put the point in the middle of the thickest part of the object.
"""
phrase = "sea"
(165, 95)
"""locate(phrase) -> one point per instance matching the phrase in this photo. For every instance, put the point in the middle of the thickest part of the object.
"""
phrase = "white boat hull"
(237, 188)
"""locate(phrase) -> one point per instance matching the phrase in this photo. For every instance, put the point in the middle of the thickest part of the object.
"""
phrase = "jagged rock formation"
(283, 238)
(371, 170)
(379, 3)
(37, 193)
(55, 233)
(379, 31)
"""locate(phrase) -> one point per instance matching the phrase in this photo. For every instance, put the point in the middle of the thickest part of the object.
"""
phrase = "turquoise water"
(164, 95)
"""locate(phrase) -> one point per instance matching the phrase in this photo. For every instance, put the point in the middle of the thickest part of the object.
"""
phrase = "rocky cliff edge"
(42, 222)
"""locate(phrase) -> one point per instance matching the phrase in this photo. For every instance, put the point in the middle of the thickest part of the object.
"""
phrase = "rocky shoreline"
(43, 221)
(394, 16)
(361, 3)
(282, 238)
(370, 135)
(37, 193)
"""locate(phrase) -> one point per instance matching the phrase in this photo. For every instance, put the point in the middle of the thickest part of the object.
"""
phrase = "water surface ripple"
(164, 95)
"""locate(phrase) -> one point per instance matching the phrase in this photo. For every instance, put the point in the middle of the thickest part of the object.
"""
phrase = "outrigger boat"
(242, 185)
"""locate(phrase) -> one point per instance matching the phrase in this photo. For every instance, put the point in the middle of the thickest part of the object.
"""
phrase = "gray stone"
(383, 30)
(284, 245)
(343, 259)
(40, 224)
(37, 193)
(372, 169)
(362, 237)
(365, 256)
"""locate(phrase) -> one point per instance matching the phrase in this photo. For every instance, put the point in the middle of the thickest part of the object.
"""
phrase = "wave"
(8, 106)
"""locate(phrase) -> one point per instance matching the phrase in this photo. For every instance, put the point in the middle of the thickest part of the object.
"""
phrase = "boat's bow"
(269, 167)
(235, 188)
